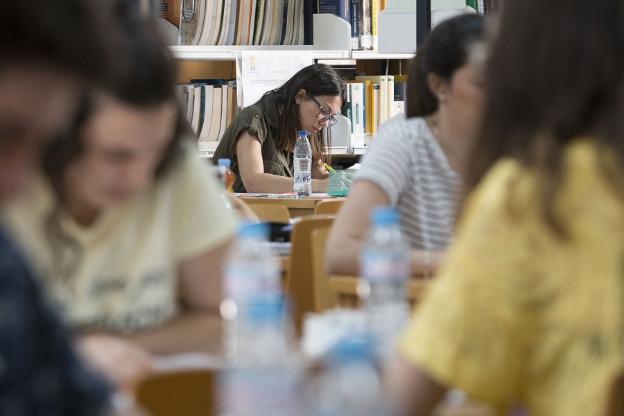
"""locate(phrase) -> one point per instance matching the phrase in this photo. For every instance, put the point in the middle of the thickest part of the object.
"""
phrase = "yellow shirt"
(126, 275)
(517, 315)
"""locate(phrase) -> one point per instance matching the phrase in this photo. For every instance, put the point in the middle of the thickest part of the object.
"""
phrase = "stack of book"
(210, 106)
(372, 100)
(242, 22)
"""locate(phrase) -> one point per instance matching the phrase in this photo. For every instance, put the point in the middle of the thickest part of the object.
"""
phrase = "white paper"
(261, 71)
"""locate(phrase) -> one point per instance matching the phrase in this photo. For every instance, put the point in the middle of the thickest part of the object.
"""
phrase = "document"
(260, 71)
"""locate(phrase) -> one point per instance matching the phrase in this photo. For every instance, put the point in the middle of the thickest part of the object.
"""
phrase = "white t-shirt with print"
(127, 261)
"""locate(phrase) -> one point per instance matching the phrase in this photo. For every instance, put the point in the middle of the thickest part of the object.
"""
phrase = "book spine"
(366, 38)
(354, 6)
(375, 23)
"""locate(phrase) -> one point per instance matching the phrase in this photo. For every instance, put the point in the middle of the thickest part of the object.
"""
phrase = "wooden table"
(297, 207)
(346, 289)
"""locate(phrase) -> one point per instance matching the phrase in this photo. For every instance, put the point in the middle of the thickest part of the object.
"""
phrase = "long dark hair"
(317, 79)
(147, 82)
(555, 73)
(444, 51)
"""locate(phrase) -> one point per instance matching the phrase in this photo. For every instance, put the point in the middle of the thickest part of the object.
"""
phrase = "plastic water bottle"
(350, 384)
(302, 161)
(385, 266)
(262, 376)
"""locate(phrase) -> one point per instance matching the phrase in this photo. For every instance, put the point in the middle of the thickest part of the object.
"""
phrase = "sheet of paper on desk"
(279, 248)
(268, 196)
(187, 361)
(260, 71)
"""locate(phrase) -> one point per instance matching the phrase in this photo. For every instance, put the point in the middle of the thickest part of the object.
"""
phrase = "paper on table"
(261, 71)
(187, 361)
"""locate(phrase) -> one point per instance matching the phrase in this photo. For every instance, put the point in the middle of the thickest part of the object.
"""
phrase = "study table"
(297, 207)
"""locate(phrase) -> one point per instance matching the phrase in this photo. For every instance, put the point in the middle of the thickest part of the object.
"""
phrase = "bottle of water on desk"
(302, 161)
(262, 377)
(385, 267)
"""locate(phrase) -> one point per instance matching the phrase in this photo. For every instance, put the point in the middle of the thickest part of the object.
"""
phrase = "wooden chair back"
(324, 297)
(188, 393)
(299, 283)
(346, 290)
(269, 212)
(328, 207)
(615, 406)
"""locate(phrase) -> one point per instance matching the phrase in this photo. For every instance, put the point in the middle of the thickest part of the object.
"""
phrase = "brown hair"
(317, 79)
(555, 73)
(148, 81)
(444, 51)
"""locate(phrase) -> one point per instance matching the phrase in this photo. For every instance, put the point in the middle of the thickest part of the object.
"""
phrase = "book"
(205, 122)
(189, 22)
(224, 111)
(260, 23)
(354, 13)
(366, 34)
(375, 7)
(215, 121)
(375, 109)
(358, 110)
(197, 108)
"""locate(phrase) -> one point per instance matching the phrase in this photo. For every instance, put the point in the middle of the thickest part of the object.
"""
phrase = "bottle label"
(259, 391)
(378, 268)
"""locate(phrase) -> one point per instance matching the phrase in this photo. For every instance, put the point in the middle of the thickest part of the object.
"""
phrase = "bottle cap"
(303, 133)
(224, 162)
(254, 230)
(353, 348)
(385, 216)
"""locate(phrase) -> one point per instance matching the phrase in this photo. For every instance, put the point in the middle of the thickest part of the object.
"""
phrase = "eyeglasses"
(324, 116)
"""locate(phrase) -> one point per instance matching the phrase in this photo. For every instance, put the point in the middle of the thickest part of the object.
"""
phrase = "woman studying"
(261, 138)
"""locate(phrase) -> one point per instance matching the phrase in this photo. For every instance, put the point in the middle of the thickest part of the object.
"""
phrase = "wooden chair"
(328, 207)
(269, 212)
(345, 290)
(188, 393)
(324, 297)
(300, 279)
(615, 406)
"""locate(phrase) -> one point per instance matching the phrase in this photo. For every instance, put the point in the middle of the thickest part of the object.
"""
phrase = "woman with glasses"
(414, 162)
(261, 138)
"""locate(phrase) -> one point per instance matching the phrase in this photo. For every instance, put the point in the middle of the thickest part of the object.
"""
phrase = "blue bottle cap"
(353, 348)
(224, 162)
(253, 230)
(385, 216)
(303, 133)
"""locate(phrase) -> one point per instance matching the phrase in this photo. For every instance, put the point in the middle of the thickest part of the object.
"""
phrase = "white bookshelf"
(356, 55)
(230, 53)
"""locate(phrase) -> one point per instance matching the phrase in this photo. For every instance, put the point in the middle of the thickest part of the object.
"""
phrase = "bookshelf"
(230, 53)
(332, 46)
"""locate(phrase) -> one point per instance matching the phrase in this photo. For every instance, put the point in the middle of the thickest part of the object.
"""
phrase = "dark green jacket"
(260, 120)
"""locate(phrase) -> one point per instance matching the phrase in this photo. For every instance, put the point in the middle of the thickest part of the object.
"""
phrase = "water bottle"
(385, 267)
(350, 384)
(302, 161)
(262, 376)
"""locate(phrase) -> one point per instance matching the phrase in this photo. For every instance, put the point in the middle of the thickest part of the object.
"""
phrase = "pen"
(329, 168)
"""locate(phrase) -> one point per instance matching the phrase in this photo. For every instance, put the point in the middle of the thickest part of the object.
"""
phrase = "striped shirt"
(406, 162)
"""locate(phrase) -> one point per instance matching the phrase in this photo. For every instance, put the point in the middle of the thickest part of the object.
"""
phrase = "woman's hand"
(119, 361)
(339, 183)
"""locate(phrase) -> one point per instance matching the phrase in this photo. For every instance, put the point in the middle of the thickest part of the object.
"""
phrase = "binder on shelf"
(397, 31)
(331, 33)
(340, 133)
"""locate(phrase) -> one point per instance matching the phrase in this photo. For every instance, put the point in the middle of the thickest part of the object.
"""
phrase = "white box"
(397, 32)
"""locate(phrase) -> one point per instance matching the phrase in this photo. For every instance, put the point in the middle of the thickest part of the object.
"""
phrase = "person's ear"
(438, 86)
(301, 95)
